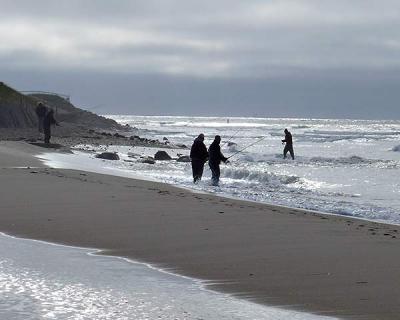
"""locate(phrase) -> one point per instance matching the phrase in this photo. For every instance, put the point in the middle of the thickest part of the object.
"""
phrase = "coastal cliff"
(17, 110)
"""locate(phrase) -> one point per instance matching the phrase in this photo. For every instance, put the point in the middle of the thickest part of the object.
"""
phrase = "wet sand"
(277, 256)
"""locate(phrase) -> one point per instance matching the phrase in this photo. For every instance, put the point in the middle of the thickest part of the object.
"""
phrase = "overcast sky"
(300, 58)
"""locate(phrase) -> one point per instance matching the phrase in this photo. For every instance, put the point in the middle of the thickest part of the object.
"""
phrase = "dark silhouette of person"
(215, 158)
(41, 111)
(47, 123)
(198, 156)
(288, 144)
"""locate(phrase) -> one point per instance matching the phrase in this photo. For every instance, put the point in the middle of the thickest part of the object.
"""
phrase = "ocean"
(345, 167)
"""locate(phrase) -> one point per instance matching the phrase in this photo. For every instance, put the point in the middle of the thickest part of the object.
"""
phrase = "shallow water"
(43, 281)
(347, 167)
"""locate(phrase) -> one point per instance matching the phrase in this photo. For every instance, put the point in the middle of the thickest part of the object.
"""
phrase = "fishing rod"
(252, 144)
(234, 134)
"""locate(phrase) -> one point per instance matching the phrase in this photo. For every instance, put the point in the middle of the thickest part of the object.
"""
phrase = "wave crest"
(256, 176)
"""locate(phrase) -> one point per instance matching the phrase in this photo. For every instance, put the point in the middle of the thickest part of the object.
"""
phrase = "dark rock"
(165, 139)
(162, 155)
(108, 156)
(181, 145)
(148, 160)
(117, 135)
(183, 159)
(231, 144)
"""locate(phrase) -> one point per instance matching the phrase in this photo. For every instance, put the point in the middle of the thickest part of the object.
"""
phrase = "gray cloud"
(277, 43)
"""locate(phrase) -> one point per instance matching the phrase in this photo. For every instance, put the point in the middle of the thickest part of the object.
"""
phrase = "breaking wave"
(352, 161)
(256, 176)
(355, 161)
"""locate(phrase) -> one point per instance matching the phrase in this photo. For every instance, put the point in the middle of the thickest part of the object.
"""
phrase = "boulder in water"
(162, 155)
(183, 159)
(108, 156)
(148, 160)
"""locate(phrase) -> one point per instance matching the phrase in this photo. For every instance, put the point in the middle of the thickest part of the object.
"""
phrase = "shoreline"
(267, 254)
(112, 172)
(195, 299)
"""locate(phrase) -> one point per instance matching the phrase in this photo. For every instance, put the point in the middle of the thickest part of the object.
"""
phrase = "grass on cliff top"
(12, 96)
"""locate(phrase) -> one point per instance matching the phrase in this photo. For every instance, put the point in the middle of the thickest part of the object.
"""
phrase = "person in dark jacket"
(198, 156)
(288, 144)
(47, 123)
(41, 113)
(215, 158)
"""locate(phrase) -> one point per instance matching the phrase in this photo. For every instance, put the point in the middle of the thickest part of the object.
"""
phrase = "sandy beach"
(272, 255)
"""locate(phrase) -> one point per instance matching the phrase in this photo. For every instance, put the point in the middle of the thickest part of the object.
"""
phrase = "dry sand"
(277, 256)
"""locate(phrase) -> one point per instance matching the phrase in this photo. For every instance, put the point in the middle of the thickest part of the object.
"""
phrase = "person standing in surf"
(215, 158)
(288, 144)
(198, 157)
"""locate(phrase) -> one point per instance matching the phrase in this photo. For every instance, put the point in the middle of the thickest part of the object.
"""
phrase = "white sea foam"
(262, 177)
(335, 159)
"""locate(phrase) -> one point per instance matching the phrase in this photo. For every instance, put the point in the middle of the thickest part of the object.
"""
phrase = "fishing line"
(229, 140)
(252, 144)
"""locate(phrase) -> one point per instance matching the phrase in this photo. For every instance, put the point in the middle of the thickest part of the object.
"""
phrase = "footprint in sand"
(163, 192)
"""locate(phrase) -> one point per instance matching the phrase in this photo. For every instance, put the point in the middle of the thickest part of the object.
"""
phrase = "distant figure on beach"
(215, 158)
(289, 144)
(41, 113)
(198, 156)
(47, 123)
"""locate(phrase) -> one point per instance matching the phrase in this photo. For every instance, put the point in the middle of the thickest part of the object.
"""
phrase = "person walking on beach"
(41, 113)
(198, 156)
(47, 123)
(215, 158)
(288, 144)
